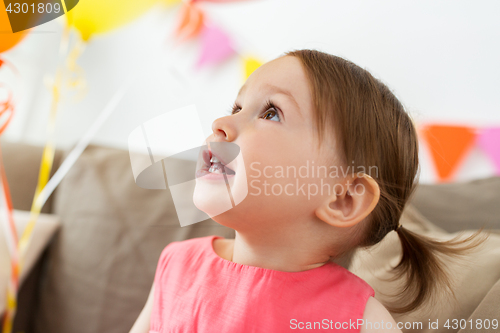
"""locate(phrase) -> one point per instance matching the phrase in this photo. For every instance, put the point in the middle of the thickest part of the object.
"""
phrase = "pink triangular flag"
(215, 45)
(489, 141)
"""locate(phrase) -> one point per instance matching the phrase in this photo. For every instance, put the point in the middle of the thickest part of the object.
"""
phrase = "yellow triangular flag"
(250, 64)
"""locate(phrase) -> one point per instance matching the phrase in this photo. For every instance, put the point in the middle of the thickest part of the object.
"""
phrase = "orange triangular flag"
(190, 22)
(448, 146)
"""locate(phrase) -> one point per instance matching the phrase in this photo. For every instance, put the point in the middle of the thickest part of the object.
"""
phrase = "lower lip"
(206, 175)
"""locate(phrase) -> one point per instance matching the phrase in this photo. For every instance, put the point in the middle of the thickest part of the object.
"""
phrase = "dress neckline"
(311, 271)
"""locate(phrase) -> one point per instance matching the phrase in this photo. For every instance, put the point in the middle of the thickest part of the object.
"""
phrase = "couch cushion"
(486, 317)
(473, 276)
(460, 206)
(101, 265)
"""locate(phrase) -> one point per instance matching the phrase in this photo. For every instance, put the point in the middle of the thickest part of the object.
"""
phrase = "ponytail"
(422, 266)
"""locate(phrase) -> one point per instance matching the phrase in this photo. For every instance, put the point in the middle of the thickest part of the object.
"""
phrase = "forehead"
(281, 75)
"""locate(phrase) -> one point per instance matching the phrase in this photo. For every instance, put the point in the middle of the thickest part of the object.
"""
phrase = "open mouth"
(214, 164)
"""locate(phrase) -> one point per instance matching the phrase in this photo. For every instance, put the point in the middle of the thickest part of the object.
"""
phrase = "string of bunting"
(216, 44)
(449, 146)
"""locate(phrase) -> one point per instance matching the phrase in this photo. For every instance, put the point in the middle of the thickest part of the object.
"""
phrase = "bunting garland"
(450, 144)
(216, 44)
(190, 22)
(249, 65)
(213, 36)
(489, 141)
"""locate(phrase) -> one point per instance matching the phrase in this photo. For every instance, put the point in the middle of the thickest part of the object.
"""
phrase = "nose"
(223, 129)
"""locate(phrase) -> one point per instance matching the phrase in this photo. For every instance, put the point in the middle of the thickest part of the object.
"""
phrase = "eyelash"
(269, 105)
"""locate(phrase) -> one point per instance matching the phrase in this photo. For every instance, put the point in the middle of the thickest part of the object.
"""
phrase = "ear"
(357, 199)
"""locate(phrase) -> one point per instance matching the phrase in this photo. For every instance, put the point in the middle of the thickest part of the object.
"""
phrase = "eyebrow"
(276, 89)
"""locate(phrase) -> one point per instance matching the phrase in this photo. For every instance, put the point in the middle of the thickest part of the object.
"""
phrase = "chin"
(212, 199)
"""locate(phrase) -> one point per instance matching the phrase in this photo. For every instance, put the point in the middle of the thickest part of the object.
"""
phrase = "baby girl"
(286, 269)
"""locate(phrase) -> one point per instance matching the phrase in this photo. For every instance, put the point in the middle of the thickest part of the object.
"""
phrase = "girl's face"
(272, 123)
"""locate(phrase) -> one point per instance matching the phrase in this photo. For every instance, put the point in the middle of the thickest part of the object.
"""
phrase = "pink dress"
(198, 291)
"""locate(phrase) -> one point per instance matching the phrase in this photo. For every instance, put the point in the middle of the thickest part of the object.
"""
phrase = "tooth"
(214, 159)
(216, 168)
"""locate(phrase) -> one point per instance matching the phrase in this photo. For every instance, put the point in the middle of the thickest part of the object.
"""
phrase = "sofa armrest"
(22, 162)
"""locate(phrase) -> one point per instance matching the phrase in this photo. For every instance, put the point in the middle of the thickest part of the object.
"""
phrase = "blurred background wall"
(441, 59)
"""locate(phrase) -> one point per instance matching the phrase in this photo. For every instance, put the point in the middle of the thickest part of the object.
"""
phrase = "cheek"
(265, 156)
(276, 149)
(275, 163)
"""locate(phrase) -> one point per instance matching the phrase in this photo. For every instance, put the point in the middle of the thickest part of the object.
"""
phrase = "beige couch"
(96, 272)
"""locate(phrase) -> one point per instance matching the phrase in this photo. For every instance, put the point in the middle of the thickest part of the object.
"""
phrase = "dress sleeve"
(155, 320)
(165, 255)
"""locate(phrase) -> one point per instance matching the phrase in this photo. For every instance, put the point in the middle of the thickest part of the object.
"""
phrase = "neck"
(282, 254)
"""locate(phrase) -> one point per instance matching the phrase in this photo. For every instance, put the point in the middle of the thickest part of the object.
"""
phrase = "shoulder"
(355, 283)
(376, 318)
(185, 246)
(181, 255)
(192, 242)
